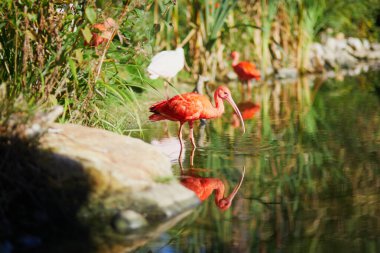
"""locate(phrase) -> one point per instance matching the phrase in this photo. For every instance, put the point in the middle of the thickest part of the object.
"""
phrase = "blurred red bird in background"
(246, 71)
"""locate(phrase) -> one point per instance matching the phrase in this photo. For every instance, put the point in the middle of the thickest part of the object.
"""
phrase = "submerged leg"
(180, 160)
(192, 134)
(249, 86)
(180, 135)
(192, 157)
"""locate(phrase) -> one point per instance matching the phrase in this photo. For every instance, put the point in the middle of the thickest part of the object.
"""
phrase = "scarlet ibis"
(246, 71)
(203, 188)
(192, 106)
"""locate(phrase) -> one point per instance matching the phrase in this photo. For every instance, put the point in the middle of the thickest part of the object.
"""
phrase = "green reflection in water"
(312, 157)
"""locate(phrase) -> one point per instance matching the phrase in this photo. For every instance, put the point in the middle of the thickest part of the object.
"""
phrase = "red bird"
(189, 107)
(203, 188)
(246, 71)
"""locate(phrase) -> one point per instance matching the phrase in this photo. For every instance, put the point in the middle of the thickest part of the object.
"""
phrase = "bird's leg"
(180, 135)
(249, 86)
(192, 158)
(180, 160)
(166, 89)
(192, 134)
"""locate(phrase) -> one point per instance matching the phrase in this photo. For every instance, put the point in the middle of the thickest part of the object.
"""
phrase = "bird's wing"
(186, 106)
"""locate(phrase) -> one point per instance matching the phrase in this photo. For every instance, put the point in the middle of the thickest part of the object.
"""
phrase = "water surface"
(312, 180)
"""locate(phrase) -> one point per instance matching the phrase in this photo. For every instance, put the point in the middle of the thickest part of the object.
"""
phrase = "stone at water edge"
(127, 221)
(125, 173)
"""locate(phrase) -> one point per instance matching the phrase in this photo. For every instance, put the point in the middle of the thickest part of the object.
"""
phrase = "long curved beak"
(232, 102)
(237, 187)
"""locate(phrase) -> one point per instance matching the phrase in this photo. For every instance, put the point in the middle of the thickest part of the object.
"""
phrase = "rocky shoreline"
(334, 56)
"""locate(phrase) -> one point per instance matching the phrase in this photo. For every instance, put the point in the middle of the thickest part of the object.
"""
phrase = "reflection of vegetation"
(312, 161)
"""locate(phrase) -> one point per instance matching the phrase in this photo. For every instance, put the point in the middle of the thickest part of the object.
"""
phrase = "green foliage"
(47, 56)
(214, 16)
(47, 50)
(353, 18)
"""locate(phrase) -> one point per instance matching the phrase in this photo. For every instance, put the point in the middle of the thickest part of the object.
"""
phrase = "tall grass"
(44, 56)
(268, 12)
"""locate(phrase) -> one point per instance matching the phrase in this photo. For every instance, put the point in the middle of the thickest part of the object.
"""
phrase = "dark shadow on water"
(38, 209)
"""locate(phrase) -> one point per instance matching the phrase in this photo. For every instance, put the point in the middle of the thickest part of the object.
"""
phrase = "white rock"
(375, 46)
(374, 55)
(366, 45)
(286, 73)
(345, 60)
(355, 43)
(336, 44)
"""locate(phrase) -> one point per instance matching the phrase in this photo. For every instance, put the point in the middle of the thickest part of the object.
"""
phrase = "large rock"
(128, 184)
(118, 164)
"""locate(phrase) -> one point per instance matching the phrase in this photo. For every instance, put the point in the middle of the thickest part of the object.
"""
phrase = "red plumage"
(246, 71)
(203, 187)
(189, 107)
(183, 108)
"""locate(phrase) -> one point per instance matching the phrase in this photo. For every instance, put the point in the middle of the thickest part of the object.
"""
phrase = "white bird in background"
(166, 64)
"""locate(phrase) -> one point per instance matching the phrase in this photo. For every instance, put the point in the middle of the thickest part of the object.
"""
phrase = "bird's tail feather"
(156, 107)
(156, 117)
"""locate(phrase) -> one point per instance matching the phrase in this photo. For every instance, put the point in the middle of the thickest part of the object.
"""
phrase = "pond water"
(311, 154)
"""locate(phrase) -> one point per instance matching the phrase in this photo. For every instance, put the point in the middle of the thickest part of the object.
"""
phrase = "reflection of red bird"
(189, 107)
(248, 110)
(203, 188)
(246, 71)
